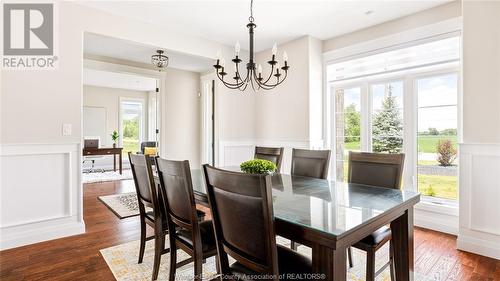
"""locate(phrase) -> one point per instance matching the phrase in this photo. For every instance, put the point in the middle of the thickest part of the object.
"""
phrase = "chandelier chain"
(251, 19)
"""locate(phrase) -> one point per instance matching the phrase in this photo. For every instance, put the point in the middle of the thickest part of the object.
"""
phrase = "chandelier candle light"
(254, 72)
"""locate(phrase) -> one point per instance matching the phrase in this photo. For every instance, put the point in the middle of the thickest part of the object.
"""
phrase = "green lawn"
(354, 145)
(432, 185)
(130, 145)
(438, 186)
(426, 144)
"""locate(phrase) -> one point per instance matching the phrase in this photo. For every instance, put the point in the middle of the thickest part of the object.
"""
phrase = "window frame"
(143, 123)
(410, 118)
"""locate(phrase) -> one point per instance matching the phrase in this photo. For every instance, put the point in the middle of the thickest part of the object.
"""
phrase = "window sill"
(438, 205)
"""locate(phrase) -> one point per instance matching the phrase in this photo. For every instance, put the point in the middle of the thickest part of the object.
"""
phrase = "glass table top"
(324, 205)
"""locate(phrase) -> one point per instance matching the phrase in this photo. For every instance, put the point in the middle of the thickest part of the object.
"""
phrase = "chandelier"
(159, 60)
(253, 74)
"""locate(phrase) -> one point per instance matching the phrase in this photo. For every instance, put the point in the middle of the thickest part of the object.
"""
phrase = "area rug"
(123, 205)
(122, 260)
(106, 176)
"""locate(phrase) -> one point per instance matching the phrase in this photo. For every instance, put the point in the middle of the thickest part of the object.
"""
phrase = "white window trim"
(429, 33)
(142, 132)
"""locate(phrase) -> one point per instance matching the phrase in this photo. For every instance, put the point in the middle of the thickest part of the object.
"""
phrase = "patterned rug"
(106, 176)
(123, 205)
(122, 260)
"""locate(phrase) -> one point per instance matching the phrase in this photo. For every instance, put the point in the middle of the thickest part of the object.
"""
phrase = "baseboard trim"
(479, 246)
(436, 221)
(35, 235)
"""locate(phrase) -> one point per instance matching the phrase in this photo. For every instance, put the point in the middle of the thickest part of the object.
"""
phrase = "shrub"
(258, 166)
(446, 152)
(429, 191)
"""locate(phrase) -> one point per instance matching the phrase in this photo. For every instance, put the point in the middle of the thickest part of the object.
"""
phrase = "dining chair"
(242, 212)
(148, 196)
(382, 170)
(273, 154)
(193, 237)
(309, 163)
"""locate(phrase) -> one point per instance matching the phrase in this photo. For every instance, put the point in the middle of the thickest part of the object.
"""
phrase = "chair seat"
(380, 236)
(207, 236)
(289, 262)
(150, 216)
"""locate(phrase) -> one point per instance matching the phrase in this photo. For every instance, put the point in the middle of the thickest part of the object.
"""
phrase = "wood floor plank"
(78, 257)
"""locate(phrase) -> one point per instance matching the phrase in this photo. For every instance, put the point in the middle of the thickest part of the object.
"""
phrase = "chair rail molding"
(40, 193)
(233, 152)
(479, 195)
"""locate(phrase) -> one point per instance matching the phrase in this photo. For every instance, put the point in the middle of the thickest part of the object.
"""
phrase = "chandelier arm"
(261, 84)
(266, 86)
(228, 83)
(270, 74)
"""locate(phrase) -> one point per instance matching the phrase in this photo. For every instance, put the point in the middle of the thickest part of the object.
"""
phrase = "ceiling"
(99, 78)
(277, 21)
(99, 45)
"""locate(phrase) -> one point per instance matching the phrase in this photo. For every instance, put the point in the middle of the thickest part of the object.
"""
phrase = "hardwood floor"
(78, 257)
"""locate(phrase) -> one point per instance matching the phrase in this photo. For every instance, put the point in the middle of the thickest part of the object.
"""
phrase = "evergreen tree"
(388, 126)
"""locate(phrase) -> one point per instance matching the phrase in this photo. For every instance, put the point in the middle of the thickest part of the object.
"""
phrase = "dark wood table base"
(106, 151)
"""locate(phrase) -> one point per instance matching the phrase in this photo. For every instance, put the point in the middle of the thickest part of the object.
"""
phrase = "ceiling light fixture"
(159, 60)
(254, 72)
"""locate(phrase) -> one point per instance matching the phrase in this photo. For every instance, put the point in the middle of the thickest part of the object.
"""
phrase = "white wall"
(109, 99)
(41, 101)
(181, 116)
(480, 152)
(282, 113)
(426, 17)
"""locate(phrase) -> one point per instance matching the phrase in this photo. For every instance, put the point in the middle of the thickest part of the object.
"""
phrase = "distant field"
(426, 144)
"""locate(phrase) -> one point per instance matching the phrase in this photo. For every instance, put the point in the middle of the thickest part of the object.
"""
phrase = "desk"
(106, 151)
(330, 216)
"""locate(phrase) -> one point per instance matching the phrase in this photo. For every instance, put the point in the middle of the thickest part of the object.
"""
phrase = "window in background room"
(132, 124)
(347, 127)
(437, 136)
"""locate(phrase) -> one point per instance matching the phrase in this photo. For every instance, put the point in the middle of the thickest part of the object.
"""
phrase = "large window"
(437, 136)
(347, 127)
(403, 100)
(132, 124)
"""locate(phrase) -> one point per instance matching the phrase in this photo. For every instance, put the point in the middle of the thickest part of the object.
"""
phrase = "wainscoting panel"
(232, 153)
(480, 199)
(40, 195)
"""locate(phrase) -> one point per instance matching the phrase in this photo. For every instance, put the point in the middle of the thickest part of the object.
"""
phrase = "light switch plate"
(66, 130)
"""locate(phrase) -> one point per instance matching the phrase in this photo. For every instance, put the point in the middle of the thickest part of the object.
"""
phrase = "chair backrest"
(273, 154)
(144, 181)
(242, 212)
(147, 144)
(177, 190)
(377, 169)
(310, 163)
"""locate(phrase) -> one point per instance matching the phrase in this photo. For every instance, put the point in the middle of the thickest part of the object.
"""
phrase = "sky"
(437, 100)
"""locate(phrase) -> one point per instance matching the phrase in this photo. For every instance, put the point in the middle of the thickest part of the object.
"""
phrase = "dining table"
(329, 216)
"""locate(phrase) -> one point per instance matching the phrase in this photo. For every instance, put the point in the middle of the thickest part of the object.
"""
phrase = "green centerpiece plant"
(258, 166)
(115, 136)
